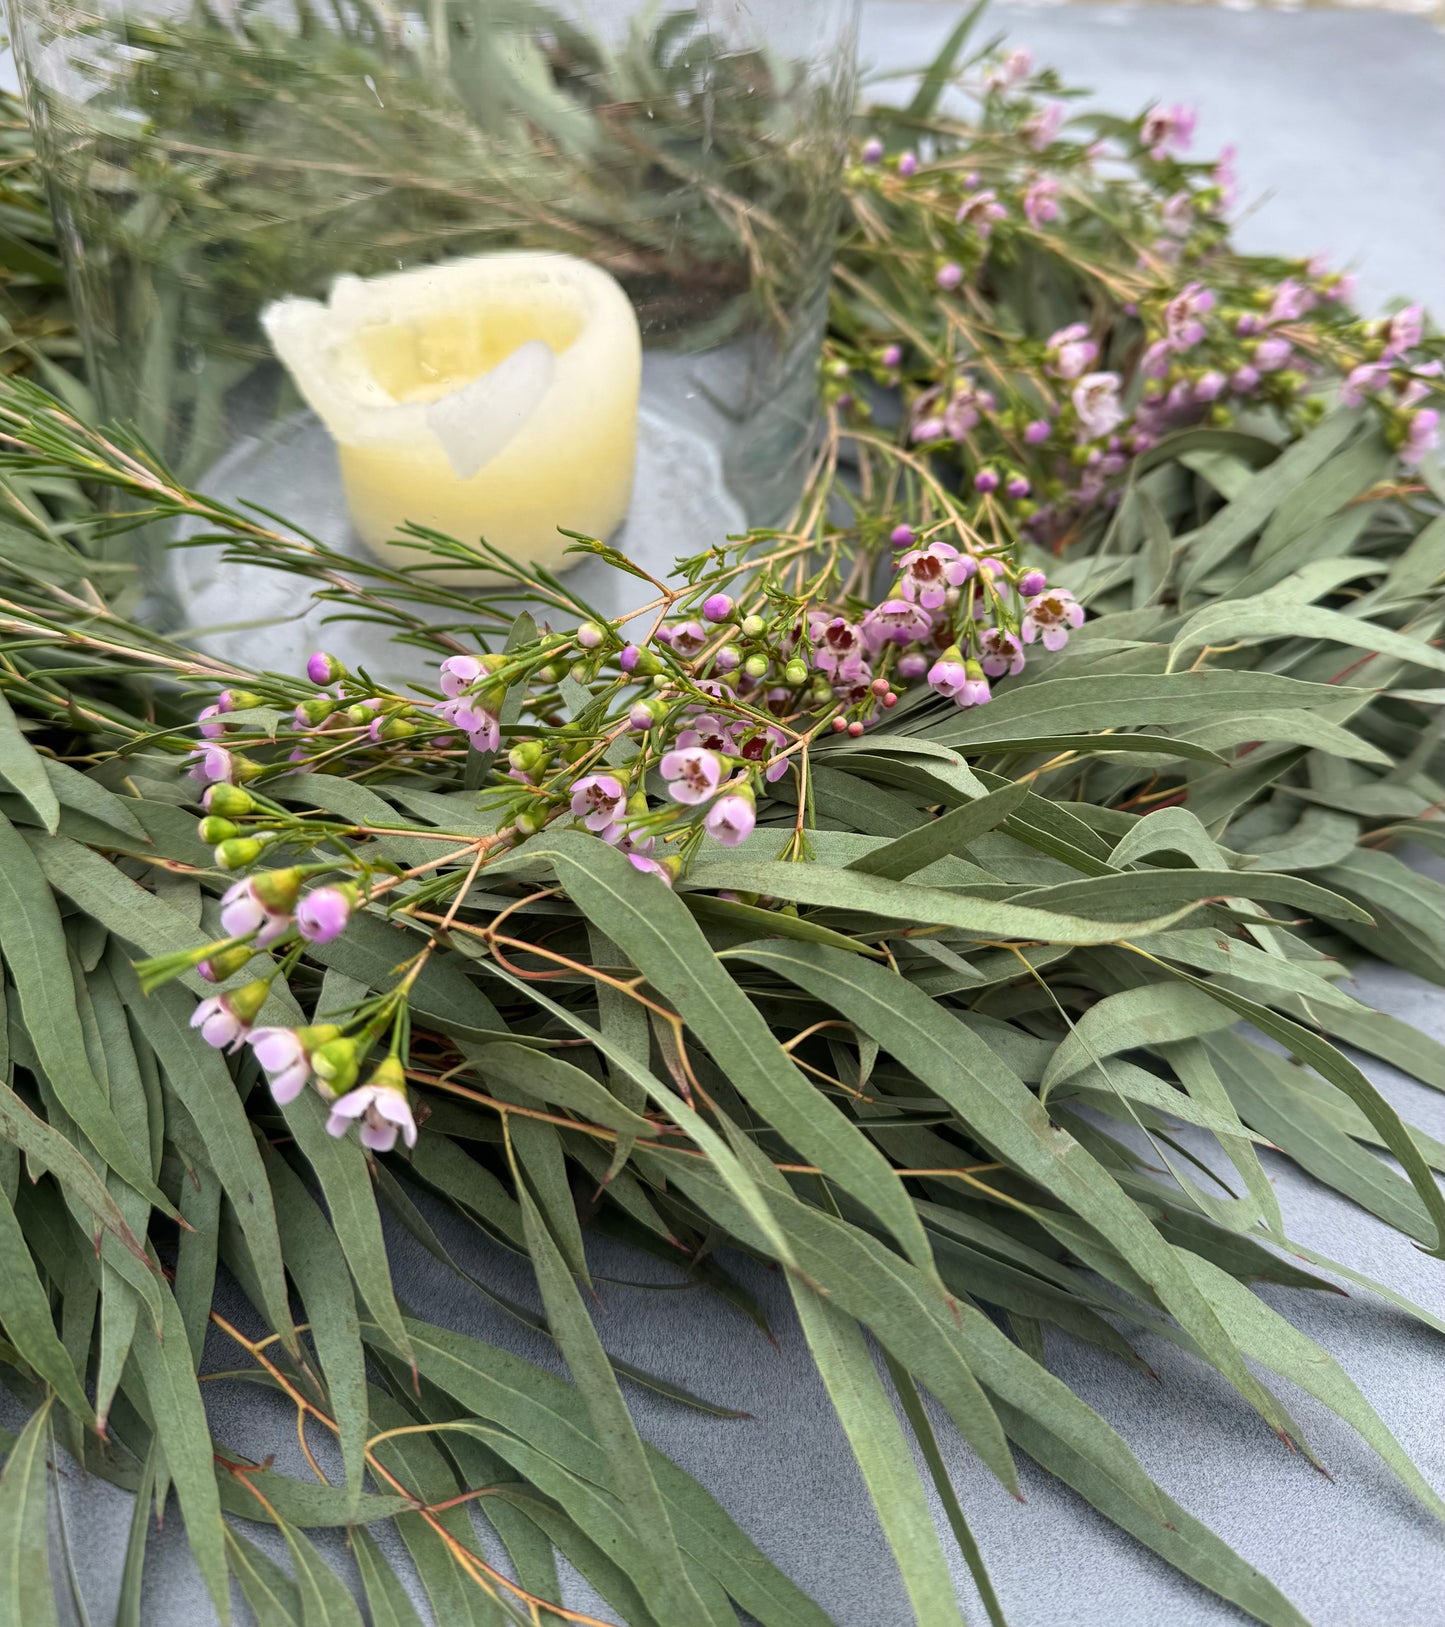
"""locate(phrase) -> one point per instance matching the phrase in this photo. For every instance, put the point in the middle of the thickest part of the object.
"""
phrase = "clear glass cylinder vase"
(493, 266)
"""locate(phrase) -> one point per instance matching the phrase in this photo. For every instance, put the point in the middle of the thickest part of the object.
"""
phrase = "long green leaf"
(878, 1444)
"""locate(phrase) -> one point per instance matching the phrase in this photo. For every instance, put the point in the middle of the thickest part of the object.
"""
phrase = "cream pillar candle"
(493, 396)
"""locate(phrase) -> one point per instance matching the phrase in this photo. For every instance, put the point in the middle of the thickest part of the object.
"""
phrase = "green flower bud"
(242, 700)
(397, 728)
(361, 714)
(213, 830)
(335, 1064)
(224, 963)
(756, 666)
(317, 710)
(238, 852)
(527, 756)
(278, 890)
(796, 671)
(754, 626)
(246, 1002)
(389, 1074)
(548, 674)
(243, 768)
(230, 801)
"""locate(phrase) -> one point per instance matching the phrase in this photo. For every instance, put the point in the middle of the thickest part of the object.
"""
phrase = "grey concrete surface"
(1340, 119)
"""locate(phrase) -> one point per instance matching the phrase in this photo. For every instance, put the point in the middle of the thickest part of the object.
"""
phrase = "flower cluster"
(1048, 423)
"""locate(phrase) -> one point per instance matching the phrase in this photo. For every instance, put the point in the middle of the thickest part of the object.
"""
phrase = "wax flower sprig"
(1173, 327)
(672, 741)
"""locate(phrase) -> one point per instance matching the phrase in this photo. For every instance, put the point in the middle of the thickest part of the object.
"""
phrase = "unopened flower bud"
(396, 728)
(527, 756)
(756, 666)
(589, 635)
(796, 671)
(335, 1064)
(230, 801)
(214, 830)
(324, 669)
(753, 626)
(717, 607)
(246, 1002)
(225, 963)
(315, 711)
(238, 852)
(278, 890)
(238, 700)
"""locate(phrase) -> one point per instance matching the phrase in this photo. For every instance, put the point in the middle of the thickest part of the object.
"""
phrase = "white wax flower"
(493, 396)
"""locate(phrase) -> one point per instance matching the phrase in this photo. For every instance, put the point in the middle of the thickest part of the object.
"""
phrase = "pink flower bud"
(323, 668)
(323, 913)
(717, 607)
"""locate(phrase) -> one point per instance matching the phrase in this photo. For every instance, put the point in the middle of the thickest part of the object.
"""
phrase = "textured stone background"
(1340, 119)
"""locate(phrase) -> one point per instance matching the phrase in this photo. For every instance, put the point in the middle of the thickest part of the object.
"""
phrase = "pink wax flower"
(1182, 315)
(1096, 400)
(1050, 617)
(599, 800)
(926, 574)
(692, 773)
(1291, 300)
(220, 1025)
(283, 1059)
(1040, 128)
(1041, 201)
(1405, 330)
(382, 1111)
(1421, 437)
(323, 913)
(1272, 353)
(211, 764)
(948, 276)
(243, 913)
(981, 211)
(839, 650)
(1003, 653)
(1362, 381)
(1069, 352)
(1011, 69)
(686, 638)
(1167, 130)
(948, 674)
(459, 673)
(762, 747)
(730, 820)
(710, 732)
(895, 621)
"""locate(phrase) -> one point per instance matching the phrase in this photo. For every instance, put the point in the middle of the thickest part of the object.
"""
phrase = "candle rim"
(316, 340)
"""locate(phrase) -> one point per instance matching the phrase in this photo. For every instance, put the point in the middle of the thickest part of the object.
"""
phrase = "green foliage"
(860, 1047)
